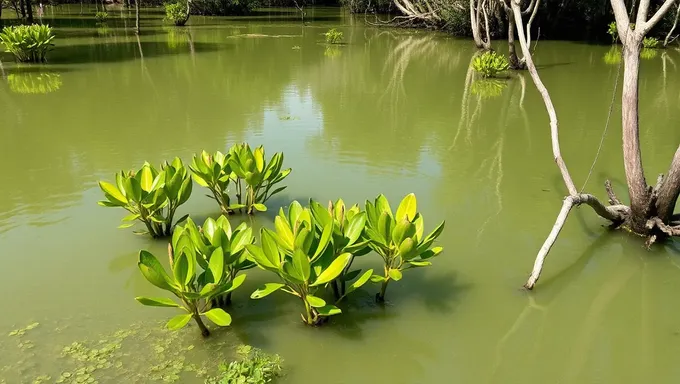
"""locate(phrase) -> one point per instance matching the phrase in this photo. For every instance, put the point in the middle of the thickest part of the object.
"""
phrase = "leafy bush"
(490, 64)
(253, 367)
(613, 31)
(333, 36)
(101, 16)
(34, 83)
(28, 43)
(650, 42)
(301, 254)
(150, 196)
(195, 290)
(398, 239)
(176, 13)
(246, 169)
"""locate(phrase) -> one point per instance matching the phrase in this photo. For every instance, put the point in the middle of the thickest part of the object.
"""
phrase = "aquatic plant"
(150, 196)
(195, 290)
(398, 239)
(348, 228)
(253, 367)
(177, 13)
(488, 88)
(612, 30)
(34, 83)
(333, 36)
(303, 258)
(490, 64)
(215, 238)
(28, 43)
(246, 169)
(101, 17)
(650, 42)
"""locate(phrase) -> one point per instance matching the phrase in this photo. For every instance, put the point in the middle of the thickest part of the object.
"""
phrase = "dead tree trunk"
(512, 55)
(476, 13)
(651, 210)
(675, 24)
(22, 6)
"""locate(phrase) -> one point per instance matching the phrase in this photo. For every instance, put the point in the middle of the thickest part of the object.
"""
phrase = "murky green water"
(387, 112)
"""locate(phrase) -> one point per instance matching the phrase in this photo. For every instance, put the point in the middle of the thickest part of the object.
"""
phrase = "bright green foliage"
(28, 43)
(490, 64)
(299, 251)
(398, 238)
(101, 17)
(194, 280)
(488, 88)
(150, 196)
(650, 42)
(215, 238)
(333, 36)
(613, 31)
(247, 169)
(253, 367)
(34, 83)
(177, 13)
(347, 237)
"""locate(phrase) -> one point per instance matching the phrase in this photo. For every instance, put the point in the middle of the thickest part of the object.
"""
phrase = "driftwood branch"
(675, 24)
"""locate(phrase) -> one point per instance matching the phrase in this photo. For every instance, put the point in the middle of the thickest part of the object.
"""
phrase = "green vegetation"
(253, 367)
(490, 64)
(398, 239)
(650, 43)
(177, 13)
(613, 56)
(333, 36)
(101, 17)
(612, 30)
(247, 169)
(34, 83)
(28, 43)
(150, 196)
(195, 289)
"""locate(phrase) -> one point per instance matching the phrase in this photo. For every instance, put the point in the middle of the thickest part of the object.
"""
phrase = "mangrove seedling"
(650, 42)
(612, 30)
(177, 13)
(347, 237)
(259, 176)
(303, 259)
(214, 172)
(215, 238)
(150, 196)
(28, 43)
(398, 239)
(490, 64)
(333, 36)
(101, 17)
(193, 289)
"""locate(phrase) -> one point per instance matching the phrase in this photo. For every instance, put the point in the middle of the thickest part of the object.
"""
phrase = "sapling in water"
(194, 288)
(398, 239)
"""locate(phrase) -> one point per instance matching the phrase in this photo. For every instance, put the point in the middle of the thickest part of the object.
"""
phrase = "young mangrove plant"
(333, 36)
(247, 169)
(490, 64)
(253, 367)
(177, 13)
(150, 196)
(215, 238)
(302, 257)
(398, 239)
(101, 17)
(28, 43)
(612, 30)
(348, 228)
(194, 290)
(650, 42)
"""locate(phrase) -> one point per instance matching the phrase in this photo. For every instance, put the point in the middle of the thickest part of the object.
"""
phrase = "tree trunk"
(22, 6)
(474, 23)
(29, 11)
(512, 54)
(632, 157)
(137, 17)
(669, 191)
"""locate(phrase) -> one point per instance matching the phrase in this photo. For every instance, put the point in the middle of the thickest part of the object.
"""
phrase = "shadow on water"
(118, 51)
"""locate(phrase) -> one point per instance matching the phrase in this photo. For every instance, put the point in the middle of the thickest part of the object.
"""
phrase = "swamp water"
(388, 111)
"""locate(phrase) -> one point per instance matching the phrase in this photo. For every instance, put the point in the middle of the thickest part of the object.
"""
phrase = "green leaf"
(407, 208)
(382, 205)
(304, 240)
(185, 191)
(333, 270)
(270, 247)
(437, 231)
(260, 207)
(377, 279)
(324, 240)
(301, 264)
(132, 189)
(216, 264)
(351, 275)
(178, 321)
(430, 253)
(146, 178)
(181, 268)
(126, 225)
(420, 226)
(156, 301)
(219, 317)
(356, 227)
(416, 263)
(395, 274)
(113, 192)
(361, 280)
(285, 234)
(320, 214)
(153, 271)
(403, 230)
(385, 226)
(315, 302)
(266, 290)
(240, 239)
(328, 310)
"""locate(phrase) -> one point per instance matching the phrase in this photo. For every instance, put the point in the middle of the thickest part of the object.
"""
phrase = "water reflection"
(34, 83)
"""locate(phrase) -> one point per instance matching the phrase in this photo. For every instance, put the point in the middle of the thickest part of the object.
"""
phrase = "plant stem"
(336, 291)
(204, 330)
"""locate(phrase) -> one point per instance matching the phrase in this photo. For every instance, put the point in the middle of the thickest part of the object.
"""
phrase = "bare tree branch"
(675, 24)
(656, 18)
